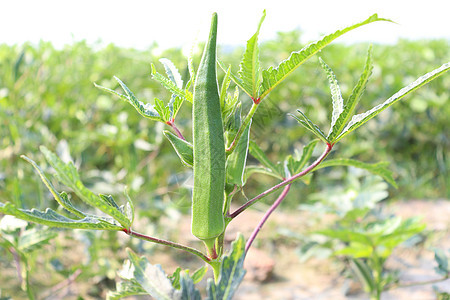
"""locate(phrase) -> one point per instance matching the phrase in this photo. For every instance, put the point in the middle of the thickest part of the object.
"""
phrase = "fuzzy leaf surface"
(238, 81)
(172, 72)
(61, 198)
(308, 124)
(125, 289)
(336, 95)
(170, 85)
(224, 88)
(274, 76)
(188, 290)
(353, 100)
(68, 175)
(146, 110)
(152, 278)
(250, 69)
(184, 149)
(360, 119)
(53, 219)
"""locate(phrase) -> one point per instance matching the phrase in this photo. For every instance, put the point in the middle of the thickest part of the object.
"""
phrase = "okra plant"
(217, 154)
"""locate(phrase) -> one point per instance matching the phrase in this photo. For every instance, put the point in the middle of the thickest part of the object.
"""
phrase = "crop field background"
(47, 97)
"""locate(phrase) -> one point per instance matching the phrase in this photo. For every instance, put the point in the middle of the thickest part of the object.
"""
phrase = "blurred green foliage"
(47, 98)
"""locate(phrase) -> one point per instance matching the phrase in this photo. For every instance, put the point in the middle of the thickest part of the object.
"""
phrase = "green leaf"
(223, 89)
(177, 281)
(257, 153)
(395, 231)
(174, 106)
(308, 124)
(296, 165)
(125, 289)
(188, 290)
(237, 160)
(336, 96)
(61, 198)
(129, 286)
(172, 72)
(231, 273)
(250, 170)
(364, 274)
(442, 262)
(175, 278)
(146, 110)
(68, 175)
(190, 65)
(152, 278)
(353, 100)
(235, 79)
(183, 148)
(232, 121)
(360, 119)
(355, 250)
(129, 208)
(163, 110)
(347, 236)
(274, 76)
(33, 239)
(380, 169)
(199, 274)
(51, 218)
(250, 70)
(170, 85)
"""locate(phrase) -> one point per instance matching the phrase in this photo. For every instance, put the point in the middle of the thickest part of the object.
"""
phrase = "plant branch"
(167, 243)
(284, 182)
(266, 216)
(175, 128)
(66, 283)
(241, 129)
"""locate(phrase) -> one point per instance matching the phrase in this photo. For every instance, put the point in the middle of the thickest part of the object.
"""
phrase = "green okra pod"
(209, 148)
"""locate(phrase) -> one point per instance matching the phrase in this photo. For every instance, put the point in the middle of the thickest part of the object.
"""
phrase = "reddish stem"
(266, 216)
(284, 182)
(17, 261)
(171, 123)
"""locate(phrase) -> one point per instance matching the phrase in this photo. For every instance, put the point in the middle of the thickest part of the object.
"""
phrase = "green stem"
(28, 285)
(210, 245)
(241, 129)
(378, 271)
(216, 269)
(168, 243)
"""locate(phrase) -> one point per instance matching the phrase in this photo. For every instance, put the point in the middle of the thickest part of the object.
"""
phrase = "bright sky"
(137, 23)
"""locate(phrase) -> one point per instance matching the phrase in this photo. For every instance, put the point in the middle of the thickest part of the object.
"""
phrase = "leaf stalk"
(167, 243)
